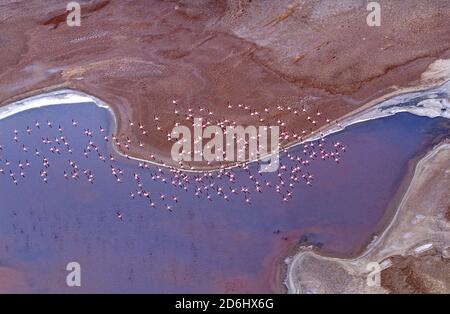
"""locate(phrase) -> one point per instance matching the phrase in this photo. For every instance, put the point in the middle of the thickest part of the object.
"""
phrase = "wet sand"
(138, 56)
(277, 275)
(201, 246)
(419, 99)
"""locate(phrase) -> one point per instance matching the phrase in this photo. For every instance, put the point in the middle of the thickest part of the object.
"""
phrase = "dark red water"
(201, 246)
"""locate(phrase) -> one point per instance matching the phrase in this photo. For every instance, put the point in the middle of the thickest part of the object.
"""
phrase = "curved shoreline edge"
(437, 104)
(291, 261)
(434, 80)
(431, 105)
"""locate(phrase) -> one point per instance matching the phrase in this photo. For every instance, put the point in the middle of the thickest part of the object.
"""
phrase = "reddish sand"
(140, 55)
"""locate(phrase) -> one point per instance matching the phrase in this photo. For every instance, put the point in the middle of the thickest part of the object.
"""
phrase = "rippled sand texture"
(140, 55)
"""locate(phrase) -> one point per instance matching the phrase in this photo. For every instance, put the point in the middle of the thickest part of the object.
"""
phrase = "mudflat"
(139, 56)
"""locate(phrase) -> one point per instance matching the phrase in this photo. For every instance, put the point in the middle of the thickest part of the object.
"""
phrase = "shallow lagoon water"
(201, 246)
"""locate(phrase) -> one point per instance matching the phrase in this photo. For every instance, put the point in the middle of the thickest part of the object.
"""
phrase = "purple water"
(201, 245)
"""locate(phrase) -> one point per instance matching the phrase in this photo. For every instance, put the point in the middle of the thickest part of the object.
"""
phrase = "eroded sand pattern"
(98, 184)
(138, 56)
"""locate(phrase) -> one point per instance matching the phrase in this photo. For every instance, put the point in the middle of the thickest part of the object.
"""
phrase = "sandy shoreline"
(372, 110)
(210, 55)
(295, 258)
(135, 57)
(383, 108)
